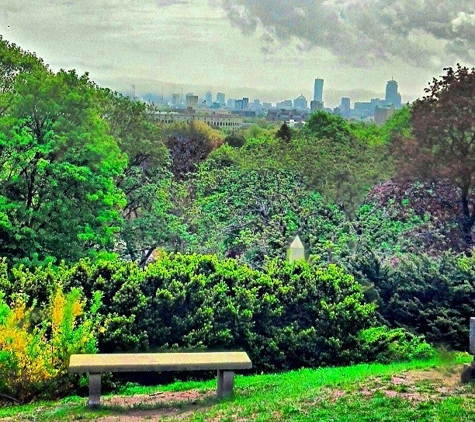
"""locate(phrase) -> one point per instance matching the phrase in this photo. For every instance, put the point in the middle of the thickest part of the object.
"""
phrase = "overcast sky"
(271, 49)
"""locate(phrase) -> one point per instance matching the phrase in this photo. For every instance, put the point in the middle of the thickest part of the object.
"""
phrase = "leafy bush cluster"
(383, 345)
(431, 296)
(286, 316)
(36, 342)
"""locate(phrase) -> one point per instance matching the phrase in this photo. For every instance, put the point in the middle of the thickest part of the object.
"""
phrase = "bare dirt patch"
(162, 405)
(414, 386)
(418, 386)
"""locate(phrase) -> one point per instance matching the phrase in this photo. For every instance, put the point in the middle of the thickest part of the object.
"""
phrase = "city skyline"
(392, 96)
(260, 49)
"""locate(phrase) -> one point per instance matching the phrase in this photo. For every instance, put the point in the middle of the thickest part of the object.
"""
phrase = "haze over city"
(264, 49)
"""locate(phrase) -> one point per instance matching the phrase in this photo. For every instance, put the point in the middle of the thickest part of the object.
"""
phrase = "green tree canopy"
(254, 214)
(189, 145)
(58, 164)
(146, 181)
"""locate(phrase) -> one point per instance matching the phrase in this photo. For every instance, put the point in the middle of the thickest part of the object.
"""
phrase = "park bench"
(94, 364)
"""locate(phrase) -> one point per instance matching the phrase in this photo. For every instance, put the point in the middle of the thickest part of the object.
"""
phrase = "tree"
(434, 203)
(235, 140)
(342, 168)
(254, 214)
(284, 133)
(189, 145)
(13, 62)
(57, 170)
(146, 179)
(325, 125)
(442, 145)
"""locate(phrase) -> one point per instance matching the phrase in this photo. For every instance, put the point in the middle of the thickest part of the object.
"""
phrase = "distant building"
(230, 121)
(300, 103)
(221, 99)
(286, 105)
(208, 98)
(240, 105)
(176, 100)
(365, 109)
(318, 90)
(256, 105)
(283, 115)
(316, 106)
(382, 114)
(231, 104)
(392, 95)
(191, 101)
(345, 107)
(244, 113)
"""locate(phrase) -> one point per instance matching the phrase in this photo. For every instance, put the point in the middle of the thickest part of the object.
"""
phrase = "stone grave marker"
(297, 250)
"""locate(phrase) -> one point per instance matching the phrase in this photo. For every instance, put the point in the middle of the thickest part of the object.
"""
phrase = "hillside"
(415, 391)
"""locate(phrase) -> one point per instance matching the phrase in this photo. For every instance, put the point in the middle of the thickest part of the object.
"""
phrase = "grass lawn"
(415, 391)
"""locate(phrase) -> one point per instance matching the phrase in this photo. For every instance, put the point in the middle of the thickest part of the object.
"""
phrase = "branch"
(11, 398)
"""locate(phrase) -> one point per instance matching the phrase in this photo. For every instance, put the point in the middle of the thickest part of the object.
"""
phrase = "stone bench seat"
(225, 363)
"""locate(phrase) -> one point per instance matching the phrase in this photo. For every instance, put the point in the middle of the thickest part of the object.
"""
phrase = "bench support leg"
(225, 383)
(94, 390)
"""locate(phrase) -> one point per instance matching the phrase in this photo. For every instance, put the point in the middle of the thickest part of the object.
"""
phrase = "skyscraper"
(191, 101)
(318, 91)
(392, 96)
(220, 98)
(208, 98)
(345, 106)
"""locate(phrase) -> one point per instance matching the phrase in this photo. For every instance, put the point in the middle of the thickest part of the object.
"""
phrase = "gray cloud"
(362, 31)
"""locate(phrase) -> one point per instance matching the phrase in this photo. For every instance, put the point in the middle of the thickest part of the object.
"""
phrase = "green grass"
(365, 392)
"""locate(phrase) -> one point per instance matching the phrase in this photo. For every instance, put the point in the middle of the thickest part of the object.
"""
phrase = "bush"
(383, 345)
(434, 297)
(124, 304)
(34, 358)
(321, 309)
(286, 316)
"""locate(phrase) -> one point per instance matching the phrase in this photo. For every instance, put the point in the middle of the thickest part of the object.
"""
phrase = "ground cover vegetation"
(135, 236)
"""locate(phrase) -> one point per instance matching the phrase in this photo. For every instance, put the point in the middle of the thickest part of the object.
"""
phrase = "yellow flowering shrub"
(34, 357)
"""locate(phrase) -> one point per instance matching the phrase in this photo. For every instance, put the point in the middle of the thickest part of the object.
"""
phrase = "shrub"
(120, 284)
(34, 358)
(287, 316)
(429, 296)
(383, 345)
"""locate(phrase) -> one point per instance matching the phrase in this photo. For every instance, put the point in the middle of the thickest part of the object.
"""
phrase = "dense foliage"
(441, 145)
(253, 215)
(36, 342)
(57, 192)
(431, 296)
(193, 301)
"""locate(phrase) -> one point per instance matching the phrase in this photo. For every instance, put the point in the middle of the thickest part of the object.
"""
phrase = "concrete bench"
(224, 362)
